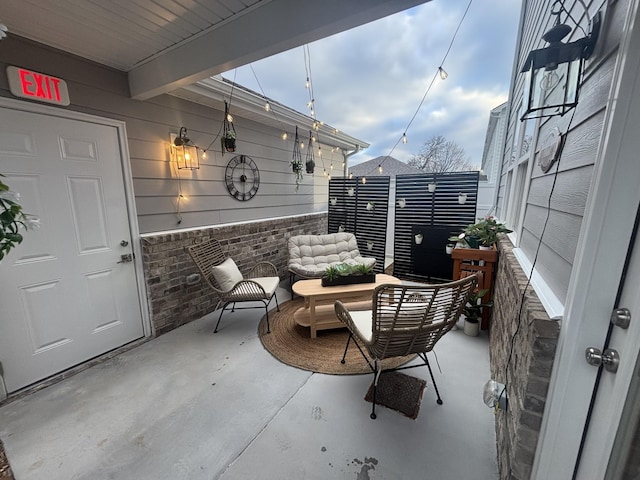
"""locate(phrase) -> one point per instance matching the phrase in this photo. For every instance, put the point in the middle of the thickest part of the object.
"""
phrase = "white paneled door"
(65, 294)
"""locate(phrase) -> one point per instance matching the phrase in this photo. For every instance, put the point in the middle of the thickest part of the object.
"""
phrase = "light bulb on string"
(267, 107)
(331, 166)
(350, 175)
(319, 151)
(229, 117)
(204, 155)
(324, 172)
(343, 164)
(284, 135)
(443, 74)
(404, 138)
(301, 145)
(379, 168)
(306, 84)
(364, 180)
(328, 177)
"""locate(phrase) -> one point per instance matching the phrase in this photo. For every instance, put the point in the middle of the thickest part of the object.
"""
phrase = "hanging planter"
(333, 201)
(228, 139)
(296, 161)
(462, 198)
(310, 164)
(402, 202)
(370, 206)
(370, 245)
(351, 192)
(432, 187)
(418, 238)
(449, 248)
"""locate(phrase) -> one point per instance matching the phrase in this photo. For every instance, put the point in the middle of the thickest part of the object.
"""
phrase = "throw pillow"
(227, 274)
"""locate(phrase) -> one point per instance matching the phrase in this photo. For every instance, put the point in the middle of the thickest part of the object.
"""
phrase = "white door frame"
(600, 258)
(126, 176)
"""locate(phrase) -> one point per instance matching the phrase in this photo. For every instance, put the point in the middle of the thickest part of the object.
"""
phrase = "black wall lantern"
(184, 152)
(554, 73)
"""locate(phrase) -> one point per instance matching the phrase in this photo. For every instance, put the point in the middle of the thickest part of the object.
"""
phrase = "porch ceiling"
(168, 44)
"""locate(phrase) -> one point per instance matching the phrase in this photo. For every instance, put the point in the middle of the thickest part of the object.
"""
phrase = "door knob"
(621, 317)
(609, 359)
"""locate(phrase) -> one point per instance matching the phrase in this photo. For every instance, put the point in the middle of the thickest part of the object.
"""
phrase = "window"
(519, 173)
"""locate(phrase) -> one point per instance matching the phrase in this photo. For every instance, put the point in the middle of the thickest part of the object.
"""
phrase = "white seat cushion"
(362, 320)
(270, 284)
(227, 274)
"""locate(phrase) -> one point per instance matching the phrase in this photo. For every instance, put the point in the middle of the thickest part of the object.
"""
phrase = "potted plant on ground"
(472, 312)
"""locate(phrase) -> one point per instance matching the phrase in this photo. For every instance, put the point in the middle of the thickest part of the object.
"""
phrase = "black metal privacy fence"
(433, 205)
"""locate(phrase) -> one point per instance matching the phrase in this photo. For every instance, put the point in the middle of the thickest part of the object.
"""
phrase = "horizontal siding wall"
(583, 129)
(104, 92)
(523, 347)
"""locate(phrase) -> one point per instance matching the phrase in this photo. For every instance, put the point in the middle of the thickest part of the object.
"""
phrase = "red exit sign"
(25, 83)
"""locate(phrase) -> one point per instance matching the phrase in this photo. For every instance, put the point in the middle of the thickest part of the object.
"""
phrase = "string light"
(284, 135)
(364, 180)
(379, 168)
(301, 145)
(443, 74)
(267, 107)
(307, 84)
(350, 175)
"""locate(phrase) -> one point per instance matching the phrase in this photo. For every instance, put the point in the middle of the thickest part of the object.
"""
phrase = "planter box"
(475, 254)
(349, 279)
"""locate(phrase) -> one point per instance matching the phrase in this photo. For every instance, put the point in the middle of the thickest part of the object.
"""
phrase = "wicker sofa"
(311, 255)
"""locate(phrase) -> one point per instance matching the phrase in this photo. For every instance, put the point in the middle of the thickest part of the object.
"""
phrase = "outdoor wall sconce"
(462, 198)
(402, 202)
(554, 73)
(432, 187)
(184, 152)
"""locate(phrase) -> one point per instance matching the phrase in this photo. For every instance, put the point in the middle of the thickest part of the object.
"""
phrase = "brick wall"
(530, 340)
(166, 263)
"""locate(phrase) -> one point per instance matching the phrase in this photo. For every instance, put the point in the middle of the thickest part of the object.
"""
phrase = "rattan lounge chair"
(259, 285)
(405, 320)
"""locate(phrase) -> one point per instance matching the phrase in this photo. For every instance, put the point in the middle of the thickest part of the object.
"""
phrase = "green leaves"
(11, 219)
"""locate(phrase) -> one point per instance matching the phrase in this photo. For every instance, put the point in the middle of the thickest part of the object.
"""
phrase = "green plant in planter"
(331, 273)
(12, 218)
(473, 308)
(228, 141)
(486, 230)
(363, 269)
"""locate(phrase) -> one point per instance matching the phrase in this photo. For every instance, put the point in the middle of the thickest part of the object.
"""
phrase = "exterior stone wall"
(167, 263)
(522, 348)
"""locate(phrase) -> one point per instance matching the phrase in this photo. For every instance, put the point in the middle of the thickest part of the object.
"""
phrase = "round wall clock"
(242, 177)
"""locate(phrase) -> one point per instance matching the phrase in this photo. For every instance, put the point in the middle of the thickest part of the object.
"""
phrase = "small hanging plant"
(296, 161)
(310, 164)
(228, 138)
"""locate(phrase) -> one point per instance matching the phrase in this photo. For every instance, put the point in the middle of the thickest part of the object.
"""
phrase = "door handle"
(126, 258)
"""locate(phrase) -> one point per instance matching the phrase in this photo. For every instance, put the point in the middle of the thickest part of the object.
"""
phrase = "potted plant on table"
(472, 312)
(345, 274)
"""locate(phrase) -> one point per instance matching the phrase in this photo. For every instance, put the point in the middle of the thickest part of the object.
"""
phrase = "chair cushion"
(362, 320)
(311, 255)
(269, 284)
(227, 274)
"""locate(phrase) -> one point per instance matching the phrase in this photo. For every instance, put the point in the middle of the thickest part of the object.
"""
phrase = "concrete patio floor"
(196, 405)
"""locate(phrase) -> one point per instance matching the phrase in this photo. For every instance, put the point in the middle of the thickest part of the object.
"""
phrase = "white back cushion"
(227, 274)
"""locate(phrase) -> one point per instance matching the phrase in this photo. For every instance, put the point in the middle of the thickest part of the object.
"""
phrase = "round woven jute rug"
(291, 344)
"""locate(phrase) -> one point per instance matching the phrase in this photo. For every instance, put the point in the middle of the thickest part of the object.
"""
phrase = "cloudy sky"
(369, 81)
